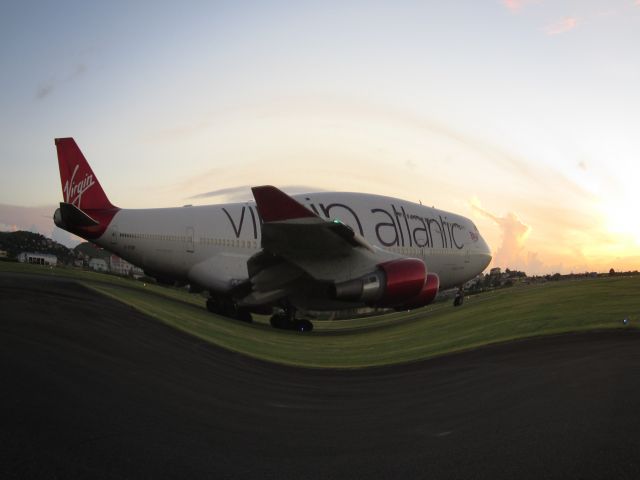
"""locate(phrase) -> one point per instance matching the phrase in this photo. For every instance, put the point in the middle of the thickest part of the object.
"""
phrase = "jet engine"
(402, 283)
(426, 295)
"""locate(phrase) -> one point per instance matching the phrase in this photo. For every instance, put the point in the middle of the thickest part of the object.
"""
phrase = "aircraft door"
(189, 234)
(114, 235)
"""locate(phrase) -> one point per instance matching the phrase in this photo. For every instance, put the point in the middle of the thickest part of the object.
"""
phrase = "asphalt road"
(89, 388)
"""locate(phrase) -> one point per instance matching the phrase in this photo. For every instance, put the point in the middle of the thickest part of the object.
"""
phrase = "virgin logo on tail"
(73, 191)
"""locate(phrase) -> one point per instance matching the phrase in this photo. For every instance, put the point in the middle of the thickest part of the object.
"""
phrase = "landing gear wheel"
(279, 320)
(283, 322)
(303, 326)
(243, 315)
(228, 308)
(212, 305)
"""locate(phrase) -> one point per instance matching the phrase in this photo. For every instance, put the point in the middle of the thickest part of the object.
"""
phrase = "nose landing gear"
(459, 298)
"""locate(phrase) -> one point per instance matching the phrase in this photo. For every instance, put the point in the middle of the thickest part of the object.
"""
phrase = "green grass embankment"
(509, 314)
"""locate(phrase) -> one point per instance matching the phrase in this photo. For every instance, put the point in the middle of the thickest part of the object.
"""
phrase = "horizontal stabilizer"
(71, 216)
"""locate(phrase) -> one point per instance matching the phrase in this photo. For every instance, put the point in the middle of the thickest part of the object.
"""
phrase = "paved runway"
(92, 389)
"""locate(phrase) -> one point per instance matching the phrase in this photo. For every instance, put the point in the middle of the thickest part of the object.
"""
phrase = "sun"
(621, 218)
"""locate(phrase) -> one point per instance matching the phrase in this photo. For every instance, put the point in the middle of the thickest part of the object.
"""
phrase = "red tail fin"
(80, 186)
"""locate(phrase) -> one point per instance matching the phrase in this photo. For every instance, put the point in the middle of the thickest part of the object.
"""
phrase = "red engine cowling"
(393, 283)
(426, 296)
(405, 279)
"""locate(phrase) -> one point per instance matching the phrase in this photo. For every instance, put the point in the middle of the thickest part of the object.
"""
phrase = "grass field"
(508, 314)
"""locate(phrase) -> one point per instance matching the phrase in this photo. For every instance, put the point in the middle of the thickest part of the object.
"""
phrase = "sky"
(523, 115)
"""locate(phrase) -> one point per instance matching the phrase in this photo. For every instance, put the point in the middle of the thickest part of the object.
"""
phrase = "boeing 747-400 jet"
(281, 255)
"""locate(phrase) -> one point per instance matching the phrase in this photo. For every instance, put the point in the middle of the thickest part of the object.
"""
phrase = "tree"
(612, 272)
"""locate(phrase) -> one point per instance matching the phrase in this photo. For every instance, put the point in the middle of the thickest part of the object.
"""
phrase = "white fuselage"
(210, 245)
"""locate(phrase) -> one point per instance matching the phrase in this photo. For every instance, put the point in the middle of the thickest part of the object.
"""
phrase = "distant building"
(38, 258)
(120, 266)
(98, 264)
(495, 272)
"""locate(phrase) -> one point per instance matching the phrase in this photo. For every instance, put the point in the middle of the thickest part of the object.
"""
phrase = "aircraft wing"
(325, 250)
(293, 231)
(304, 256)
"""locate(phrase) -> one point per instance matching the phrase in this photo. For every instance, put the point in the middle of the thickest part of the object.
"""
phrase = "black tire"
(244, 315)
(227, 308)
(279, 321)
(303, 326)
(212, 305)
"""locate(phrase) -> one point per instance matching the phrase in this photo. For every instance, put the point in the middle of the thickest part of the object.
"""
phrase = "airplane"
(281, 255)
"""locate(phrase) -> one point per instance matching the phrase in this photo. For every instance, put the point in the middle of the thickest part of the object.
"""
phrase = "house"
(120, 266)
(98, 264)
(37, 258)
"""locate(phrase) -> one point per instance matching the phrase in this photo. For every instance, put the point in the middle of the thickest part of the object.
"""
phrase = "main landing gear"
(286, 321)
(459, 298)
(228, 308)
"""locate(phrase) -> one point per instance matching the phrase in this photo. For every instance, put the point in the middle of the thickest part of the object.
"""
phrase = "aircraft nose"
(483, 253)
(485, 247)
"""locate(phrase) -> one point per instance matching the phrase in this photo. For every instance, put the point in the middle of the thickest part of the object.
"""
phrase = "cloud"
(47, 88)
(79, 70)
(221, 192)
(516, 5)
(514, 233)
(35, 219)
(243, 193)
(8, 228)
(562, 26)
(534, 264)
(44, 90)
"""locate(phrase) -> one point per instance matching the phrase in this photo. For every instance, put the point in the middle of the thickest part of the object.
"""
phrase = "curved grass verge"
(509, 314)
